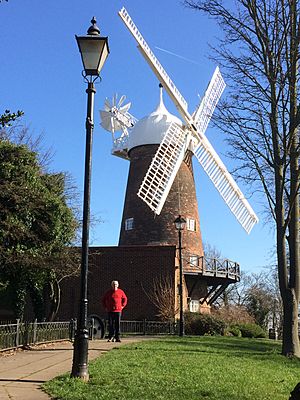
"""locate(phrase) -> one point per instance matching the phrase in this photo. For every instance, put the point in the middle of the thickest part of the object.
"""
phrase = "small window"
(194, 261)
(191, 224)
(194, 306)
(128, 224)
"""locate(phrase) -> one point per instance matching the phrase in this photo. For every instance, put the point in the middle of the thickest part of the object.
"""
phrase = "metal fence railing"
(148, 327)
(20, 334)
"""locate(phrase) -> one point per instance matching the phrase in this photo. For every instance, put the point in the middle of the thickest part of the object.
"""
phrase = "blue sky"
(41, 75)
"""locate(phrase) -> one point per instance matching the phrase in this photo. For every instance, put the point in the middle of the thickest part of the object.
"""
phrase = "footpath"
(22, 372)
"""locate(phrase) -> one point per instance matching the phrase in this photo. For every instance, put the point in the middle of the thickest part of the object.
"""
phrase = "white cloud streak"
(177, 55)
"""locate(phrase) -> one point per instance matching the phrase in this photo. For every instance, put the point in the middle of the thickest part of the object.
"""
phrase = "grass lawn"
(189, 368)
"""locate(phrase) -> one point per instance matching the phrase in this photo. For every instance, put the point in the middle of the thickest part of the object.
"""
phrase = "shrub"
(251, 330)
(203, 324)
(233, 331)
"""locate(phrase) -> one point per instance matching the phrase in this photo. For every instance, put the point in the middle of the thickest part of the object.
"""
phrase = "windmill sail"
(163, 168)
(156, 66)
(211, 162)
(225, 184)
(204, 111)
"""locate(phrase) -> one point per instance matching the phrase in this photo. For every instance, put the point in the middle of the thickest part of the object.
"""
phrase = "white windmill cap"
(152, 128)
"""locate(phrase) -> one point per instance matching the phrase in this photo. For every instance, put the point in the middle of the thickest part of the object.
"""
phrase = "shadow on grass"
(228, 343)
(217, 345)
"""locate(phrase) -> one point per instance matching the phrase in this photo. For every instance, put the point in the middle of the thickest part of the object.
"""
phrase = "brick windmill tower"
(140, 225)
(161, 184)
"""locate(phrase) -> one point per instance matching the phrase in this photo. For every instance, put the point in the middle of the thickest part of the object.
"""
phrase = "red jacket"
(114, 300)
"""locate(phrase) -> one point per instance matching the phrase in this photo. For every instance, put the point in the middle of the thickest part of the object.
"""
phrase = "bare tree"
(233, 314)
(260, 54)
(210, 251)
(255, 298)
(162, 295)
(234, 294)
(276, 312)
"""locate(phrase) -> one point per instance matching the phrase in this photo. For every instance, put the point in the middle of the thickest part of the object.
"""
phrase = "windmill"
(160, 183)
(172, 149)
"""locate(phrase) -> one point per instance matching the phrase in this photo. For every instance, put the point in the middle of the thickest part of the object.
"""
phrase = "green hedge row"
(206, 324)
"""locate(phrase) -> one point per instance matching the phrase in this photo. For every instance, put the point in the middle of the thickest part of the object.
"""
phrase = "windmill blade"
(225, 184)
(121, 101)
(114, 119)
(156, 66)
(204, 111)
(107, 105)
(108, 122)
(164, 167)
(120, 120)
(124, 109)
(211, 162)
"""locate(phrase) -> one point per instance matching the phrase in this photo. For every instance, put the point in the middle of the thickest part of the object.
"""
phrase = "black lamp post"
(179, 225)
(94, 51)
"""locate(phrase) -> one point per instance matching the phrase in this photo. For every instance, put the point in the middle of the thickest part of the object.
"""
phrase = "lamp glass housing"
(180, 223)
(94, 51)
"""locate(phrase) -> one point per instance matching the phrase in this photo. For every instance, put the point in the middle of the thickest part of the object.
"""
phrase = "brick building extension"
(134, 267)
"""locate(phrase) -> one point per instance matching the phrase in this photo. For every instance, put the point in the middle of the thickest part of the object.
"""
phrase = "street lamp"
(94, 51)
(179, 225)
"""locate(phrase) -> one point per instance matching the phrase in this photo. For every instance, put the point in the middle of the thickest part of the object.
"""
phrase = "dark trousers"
(114, 320)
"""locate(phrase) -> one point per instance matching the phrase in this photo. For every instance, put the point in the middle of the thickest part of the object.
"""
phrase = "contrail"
(177, 55)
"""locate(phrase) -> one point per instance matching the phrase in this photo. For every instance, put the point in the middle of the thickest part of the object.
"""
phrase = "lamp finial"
(93, 29)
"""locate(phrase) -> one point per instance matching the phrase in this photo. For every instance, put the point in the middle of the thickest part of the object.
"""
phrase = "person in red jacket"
(114, 301)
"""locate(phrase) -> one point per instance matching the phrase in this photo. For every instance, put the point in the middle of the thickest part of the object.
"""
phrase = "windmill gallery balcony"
(212, 267)
(218, 275)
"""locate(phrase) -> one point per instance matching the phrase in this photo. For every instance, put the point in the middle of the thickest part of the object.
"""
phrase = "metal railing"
(22, 334)
(148, 327)
(222, 268)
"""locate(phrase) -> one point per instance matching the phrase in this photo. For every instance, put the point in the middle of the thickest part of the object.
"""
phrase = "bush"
(203, 324)
(251, 330)
(233, 331)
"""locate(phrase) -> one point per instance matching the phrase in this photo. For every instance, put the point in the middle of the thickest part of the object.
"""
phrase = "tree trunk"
(55, 300)
(290, 340)
(293, 289)
(290, 344)
(19, 291)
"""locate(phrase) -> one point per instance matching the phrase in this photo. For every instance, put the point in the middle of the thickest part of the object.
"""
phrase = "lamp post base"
(80, 357)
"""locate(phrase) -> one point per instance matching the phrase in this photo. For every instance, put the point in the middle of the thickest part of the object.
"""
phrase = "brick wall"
(149, 228)
(134, 267)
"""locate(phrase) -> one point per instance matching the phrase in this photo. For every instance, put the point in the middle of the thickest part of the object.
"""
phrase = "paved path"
(22, 372)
